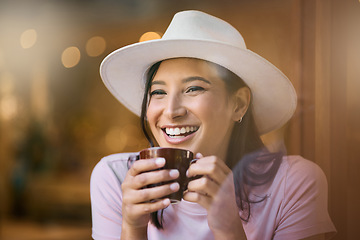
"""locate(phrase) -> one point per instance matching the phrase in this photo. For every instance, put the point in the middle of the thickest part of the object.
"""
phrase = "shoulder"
(114, 166)
(297, 162)
(298, 168)
(303, 179)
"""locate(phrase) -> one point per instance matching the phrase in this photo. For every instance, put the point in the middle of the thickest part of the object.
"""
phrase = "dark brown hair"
(245, 148)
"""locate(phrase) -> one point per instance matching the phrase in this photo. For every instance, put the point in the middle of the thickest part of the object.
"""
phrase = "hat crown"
(196, 25)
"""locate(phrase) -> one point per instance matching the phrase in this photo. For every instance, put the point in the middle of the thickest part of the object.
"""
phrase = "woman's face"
(190, 108)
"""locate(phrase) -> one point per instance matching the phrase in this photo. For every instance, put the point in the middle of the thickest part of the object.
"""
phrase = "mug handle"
(197, 176)
(193, 161)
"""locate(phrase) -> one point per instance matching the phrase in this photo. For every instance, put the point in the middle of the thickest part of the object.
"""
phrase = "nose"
(174, 107)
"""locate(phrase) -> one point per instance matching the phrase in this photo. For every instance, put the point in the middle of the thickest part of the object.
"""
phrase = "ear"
(241, 102)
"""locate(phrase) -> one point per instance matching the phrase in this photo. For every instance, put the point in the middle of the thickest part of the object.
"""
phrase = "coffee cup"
(175, 158)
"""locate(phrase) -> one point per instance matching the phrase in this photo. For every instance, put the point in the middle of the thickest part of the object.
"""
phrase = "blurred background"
(57, 119)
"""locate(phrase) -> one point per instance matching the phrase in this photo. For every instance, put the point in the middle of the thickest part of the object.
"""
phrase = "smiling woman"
(203, 91)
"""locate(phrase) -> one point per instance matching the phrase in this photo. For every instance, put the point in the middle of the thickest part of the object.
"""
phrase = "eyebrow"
(194, 78)
(186, 80)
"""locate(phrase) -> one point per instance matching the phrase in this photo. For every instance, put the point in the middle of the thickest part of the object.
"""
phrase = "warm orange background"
(57, 122)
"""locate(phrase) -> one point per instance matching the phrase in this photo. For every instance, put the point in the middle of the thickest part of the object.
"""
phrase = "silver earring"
(240, 120)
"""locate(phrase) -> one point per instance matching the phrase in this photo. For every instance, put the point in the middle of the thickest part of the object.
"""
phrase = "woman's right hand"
(138, 200)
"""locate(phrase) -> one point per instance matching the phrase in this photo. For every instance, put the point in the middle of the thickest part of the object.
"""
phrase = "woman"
(202, 90)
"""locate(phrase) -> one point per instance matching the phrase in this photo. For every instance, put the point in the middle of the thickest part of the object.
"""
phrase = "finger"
(202, 199)
(213, 169)
(143, 179)
(204, 186)
(215, 160)
(149, 194)
(144, 165)
(199, 155)
(146, 208)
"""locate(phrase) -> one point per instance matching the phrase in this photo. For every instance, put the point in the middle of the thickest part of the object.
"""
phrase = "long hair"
(245, 149)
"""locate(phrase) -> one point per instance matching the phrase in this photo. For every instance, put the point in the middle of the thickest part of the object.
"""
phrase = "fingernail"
(175, 186)
(174, 173)
(166, 201)
(187, 173)
(199, 155)
(160, 161)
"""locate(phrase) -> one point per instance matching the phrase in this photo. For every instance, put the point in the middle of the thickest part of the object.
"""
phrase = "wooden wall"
(328, 116)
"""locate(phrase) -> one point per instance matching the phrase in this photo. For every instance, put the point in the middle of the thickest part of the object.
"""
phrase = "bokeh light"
(95, 46)
(130, 131)
(8, 107)
(8, 101)
(115, 139)
(70, 57)
(118, 138)
(28, 38)
(149, 36)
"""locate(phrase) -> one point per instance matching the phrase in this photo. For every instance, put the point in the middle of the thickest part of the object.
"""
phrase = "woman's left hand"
(215, 192)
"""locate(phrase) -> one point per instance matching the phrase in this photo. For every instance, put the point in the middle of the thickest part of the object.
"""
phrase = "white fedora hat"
(195, 34)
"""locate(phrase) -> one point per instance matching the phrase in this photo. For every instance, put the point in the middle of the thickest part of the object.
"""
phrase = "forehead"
(187, 66)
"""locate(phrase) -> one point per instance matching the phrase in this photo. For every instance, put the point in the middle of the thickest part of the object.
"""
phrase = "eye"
(194, 89)
(157, 92)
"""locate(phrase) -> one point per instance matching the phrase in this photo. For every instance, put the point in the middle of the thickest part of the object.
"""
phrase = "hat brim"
(274, 98)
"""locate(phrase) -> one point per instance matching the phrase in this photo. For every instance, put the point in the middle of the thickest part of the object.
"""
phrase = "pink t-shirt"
(295, 207)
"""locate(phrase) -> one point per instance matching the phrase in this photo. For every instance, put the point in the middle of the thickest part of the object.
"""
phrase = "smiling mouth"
(180, 132)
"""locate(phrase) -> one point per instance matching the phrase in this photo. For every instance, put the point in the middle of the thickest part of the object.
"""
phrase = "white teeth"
(169, 131)
(175, 132)
(182, 130)
(174, 136)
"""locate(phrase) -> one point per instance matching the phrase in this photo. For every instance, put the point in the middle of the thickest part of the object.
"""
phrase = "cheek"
(210, 109)
(216, 117)
(153, 112)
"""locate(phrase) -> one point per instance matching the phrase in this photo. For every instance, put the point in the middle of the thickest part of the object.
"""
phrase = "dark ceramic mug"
(175, 158)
